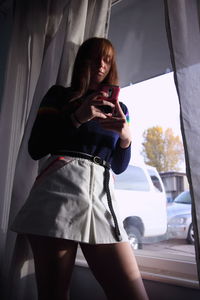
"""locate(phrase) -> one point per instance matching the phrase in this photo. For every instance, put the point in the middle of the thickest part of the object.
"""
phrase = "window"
(132, 179)
(160, 256)
(183, 198)
(155, 180)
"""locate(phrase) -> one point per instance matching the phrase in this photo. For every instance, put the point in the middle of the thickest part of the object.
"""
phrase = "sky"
(153, 102)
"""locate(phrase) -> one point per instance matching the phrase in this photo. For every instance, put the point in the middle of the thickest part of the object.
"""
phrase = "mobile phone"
(111, 90)
(113, 93)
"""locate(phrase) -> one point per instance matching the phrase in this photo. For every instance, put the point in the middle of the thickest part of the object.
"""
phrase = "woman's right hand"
(90, 108)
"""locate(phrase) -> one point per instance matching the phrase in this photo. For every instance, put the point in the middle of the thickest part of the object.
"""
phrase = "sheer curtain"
(43, 43)
(183, 24)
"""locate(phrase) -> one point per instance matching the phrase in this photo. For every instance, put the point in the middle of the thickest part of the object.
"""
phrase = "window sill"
(174, 269)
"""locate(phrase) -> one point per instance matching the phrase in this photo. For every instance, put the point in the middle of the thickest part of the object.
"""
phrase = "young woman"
(72, 200)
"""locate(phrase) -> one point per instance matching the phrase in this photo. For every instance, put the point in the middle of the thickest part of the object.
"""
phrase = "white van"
(142, 203)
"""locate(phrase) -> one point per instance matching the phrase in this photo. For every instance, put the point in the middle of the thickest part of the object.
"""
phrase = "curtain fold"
(183, 24)
(44, 39)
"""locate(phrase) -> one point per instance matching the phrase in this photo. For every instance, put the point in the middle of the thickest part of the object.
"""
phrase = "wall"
(137, 30)
(85, 287)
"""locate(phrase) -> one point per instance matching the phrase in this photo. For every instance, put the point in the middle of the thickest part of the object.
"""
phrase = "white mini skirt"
(68, 201)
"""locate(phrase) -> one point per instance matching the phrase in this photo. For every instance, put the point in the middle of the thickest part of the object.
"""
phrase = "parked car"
(180, 218)
(142, 203)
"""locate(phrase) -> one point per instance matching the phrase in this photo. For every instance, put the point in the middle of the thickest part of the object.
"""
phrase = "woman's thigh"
(115, 267)
(54, 260)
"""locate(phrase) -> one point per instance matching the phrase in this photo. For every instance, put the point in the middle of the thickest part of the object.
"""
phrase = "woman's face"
(100, 68)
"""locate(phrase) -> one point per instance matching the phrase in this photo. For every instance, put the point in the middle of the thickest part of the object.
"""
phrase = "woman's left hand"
(118, 124)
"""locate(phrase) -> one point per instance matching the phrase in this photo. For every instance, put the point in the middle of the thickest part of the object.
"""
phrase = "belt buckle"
(97, 160)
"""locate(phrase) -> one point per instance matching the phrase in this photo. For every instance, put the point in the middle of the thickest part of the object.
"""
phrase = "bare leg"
(115, 267)
(54, 260)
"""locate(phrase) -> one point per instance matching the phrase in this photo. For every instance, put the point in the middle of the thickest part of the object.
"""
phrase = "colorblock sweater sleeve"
(121, 156)
(50, 125)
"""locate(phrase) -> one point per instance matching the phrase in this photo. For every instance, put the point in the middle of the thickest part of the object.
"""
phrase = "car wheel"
(190, 236)
(134, 237)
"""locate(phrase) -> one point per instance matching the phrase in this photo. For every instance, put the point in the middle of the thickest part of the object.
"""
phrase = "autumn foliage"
(162, 149)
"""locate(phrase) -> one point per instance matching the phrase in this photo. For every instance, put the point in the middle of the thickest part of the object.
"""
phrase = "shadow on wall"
(137, 30)
(18, 279)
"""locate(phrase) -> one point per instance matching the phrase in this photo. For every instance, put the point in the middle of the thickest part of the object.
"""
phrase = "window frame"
(175, 269)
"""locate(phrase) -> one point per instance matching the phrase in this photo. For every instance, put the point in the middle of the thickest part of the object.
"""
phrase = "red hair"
(90, 50)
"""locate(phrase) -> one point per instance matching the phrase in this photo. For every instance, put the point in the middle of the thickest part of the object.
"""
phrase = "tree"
(162, 149)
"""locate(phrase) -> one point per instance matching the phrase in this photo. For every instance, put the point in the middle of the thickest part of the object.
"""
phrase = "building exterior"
(174, 183)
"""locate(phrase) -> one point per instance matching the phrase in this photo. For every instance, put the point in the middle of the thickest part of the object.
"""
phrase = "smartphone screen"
(112, 91)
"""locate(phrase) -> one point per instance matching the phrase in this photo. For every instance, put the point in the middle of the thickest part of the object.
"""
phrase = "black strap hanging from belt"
(109, 199)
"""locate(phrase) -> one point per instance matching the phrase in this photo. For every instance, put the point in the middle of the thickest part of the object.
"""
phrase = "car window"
(133, 178)
(183, 198)
(155, 180)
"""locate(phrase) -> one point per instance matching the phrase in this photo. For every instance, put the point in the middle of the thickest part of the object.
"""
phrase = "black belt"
(99, 161)
(96, 159)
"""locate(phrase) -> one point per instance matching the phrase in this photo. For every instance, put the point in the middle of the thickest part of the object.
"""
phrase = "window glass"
(155, 180)
(156, 226)
(184, 198)
(132, 179)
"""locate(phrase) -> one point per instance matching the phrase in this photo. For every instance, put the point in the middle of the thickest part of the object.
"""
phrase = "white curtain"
(43, 43)
(183, 27)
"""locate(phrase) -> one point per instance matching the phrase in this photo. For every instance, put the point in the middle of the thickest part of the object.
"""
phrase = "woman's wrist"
(77, 123)
(77, 119)
(125, 143)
